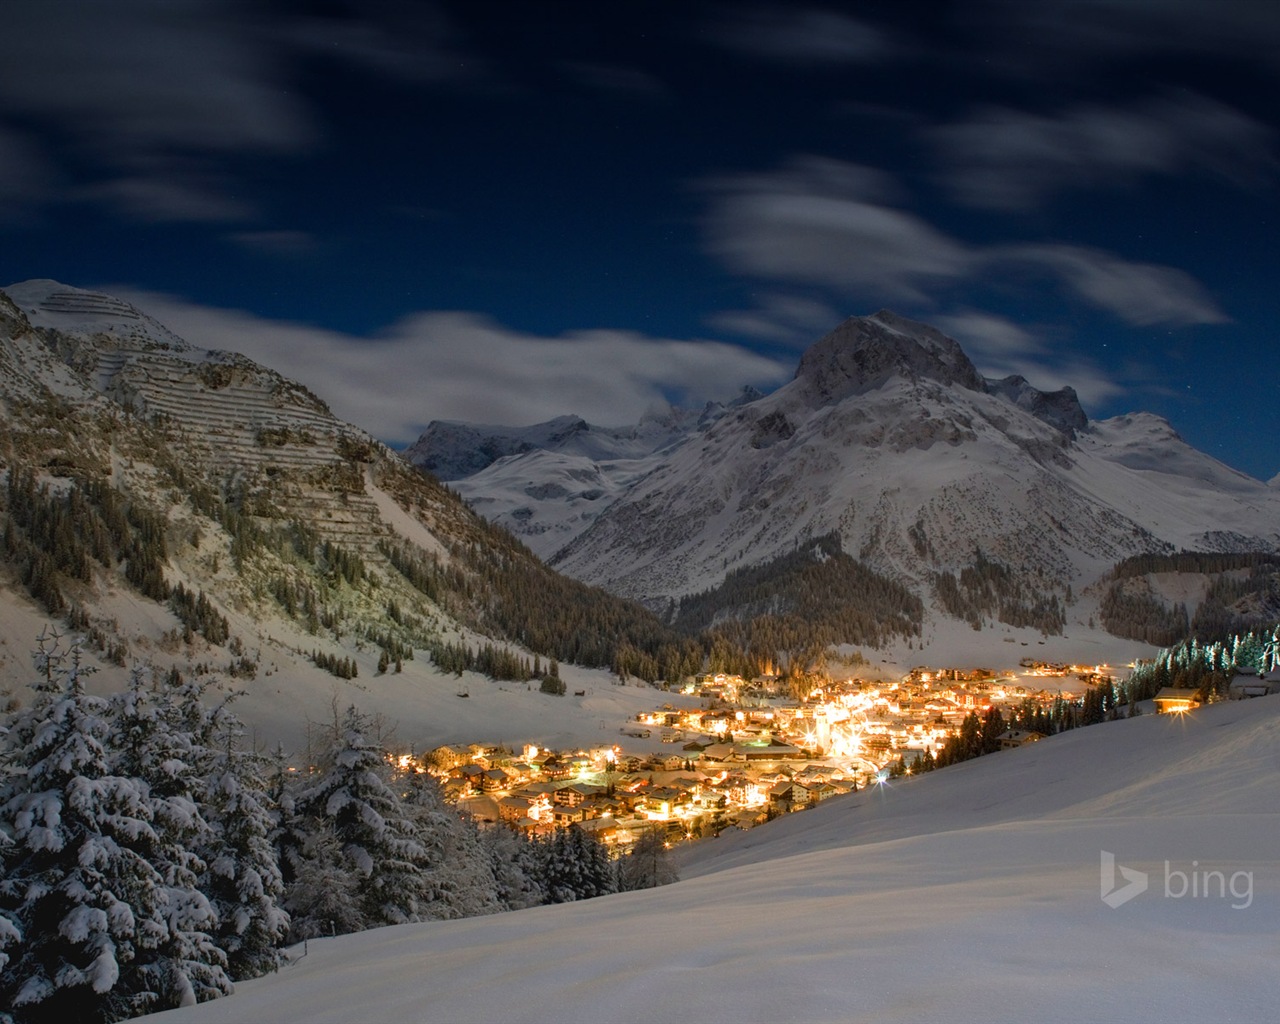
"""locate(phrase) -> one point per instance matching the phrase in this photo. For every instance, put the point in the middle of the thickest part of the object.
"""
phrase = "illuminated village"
(747, 753)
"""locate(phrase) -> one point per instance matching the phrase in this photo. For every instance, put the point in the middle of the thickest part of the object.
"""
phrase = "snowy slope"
(82, 313)
(547, 498)
(973, 894)
(548, 482)
(92, 386)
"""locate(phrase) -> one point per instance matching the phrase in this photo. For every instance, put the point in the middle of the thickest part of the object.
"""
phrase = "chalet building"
(604, 829)
(1018, 737)
(455, 788)
(789, 796)
(574, 795)
(819, 791)
(566, 816)
(512, 808)
(493, 780)
(1247, 684)
(1175, 699)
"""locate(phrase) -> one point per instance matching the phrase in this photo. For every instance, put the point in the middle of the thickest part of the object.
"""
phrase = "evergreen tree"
(458, 874)
(154, 742)
(78, 883)
(242, 873)
(376, 840)
(576, 867)
(324, 895)
(647, 865)
(516, 865)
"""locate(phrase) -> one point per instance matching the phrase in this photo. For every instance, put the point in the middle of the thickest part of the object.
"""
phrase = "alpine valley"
(193, 510)
(206, 528)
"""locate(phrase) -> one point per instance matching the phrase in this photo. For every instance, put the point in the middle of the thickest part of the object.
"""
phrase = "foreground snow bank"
(971, 894)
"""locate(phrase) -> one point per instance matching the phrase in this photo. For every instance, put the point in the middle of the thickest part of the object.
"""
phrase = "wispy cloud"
(26, 177)
(412, 42)
(1000, 348)
(1008, 159)
(779, 316)
(1037, 38)
(160, 196)
(464, 366)
(1139, 293)
(808, 35)
(825, 222)
(829, 224)
(149, 101)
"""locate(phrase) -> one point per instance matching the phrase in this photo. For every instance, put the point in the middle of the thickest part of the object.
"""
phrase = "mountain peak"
(80, 312)
(865, 351)
(1060, 409)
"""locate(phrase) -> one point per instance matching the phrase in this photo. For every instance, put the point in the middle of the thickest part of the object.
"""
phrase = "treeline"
(1239, 605)
(492, 661)
(981, 734)
(1207, 668)
(818, 582)
(789, 610)
(986, 589)
(497, 587)
(343, 668)
(1233, 604)
(198, 615)
(1141, 616)
(54, 539)
(149, 861)
(1194, 561)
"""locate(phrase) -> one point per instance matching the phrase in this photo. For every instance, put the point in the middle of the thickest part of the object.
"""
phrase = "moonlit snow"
(971, 894)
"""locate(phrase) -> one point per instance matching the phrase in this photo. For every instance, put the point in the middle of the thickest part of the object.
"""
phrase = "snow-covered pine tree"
(286, 833)
(516, 865)
(77, 881)
(323, 896)
(242, 874)
(647, 865)
(377, 840)
(576, 866)
(157, 734)
(459, 877)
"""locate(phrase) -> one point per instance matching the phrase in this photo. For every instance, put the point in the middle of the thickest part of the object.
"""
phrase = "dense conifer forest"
(986, 590)
(149, 860)
(1242, 594)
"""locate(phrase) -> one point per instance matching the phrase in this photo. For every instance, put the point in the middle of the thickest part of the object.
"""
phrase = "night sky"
(505, 211)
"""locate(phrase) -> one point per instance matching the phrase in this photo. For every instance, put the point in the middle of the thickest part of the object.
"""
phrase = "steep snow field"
(973, 894)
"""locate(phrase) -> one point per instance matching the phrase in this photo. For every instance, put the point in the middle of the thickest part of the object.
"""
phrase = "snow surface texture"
(972, 894)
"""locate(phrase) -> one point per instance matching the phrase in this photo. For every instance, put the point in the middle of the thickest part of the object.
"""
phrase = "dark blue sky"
(503, 211)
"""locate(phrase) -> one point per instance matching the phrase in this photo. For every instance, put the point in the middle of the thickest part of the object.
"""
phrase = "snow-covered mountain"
(546, 483)
(974, 893)
(137, 463)
(889, 436)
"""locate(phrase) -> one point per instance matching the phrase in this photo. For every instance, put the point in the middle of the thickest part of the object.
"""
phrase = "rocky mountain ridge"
(889, 437)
